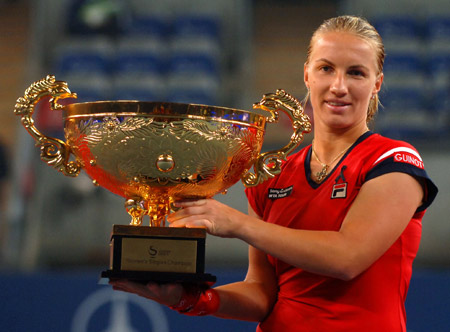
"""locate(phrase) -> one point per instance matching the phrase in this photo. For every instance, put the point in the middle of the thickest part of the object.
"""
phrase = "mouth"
(334, 103)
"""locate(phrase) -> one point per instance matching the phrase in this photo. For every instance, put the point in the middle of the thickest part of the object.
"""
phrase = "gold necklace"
(324, 171)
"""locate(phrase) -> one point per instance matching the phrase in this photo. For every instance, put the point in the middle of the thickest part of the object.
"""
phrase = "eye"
(356, 72)
(325, 68)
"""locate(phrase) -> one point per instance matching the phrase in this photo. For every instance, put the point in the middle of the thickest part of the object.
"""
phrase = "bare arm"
(251, 299)
(376, 219)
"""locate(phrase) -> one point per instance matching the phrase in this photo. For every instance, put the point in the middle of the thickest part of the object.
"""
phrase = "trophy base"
(158, 254)
(158, 277)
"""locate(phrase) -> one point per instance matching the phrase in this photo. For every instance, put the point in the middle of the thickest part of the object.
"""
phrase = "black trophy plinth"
(158, 254)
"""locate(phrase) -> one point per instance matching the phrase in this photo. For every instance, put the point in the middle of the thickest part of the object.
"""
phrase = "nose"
(339, 85)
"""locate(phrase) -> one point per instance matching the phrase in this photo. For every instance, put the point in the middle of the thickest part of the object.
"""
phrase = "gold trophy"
(154, 153)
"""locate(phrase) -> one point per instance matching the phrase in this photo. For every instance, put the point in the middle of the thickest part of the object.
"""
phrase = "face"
(342, 76)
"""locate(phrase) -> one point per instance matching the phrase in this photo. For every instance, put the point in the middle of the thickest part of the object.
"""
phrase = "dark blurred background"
(54, 231)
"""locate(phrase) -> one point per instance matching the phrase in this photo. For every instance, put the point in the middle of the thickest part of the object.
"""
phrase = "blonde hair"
(361, 28)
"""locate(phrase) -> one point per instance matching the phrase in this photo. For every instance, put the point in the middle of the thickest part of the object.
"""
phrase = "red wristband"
(197, 301)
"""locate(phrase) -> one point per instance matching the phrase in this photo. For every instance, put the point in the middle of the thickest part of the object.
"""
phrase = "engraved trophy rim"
(152, 108)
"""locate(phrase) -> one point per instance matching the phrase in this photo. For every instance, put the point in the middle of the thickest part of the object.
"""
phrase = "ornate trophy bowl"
(154, 153)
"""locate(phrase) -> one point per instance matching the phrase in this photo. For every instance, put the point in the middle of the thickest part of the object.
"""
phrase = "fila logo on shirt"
(340, 185)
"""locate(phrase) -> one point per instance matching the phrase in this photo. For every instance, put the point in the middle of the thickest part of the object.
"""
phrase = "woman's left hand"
(218, 219)
(166, 294)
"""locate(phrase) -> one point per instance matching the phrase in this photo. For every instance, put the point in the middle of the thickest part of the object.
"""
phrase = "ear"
(378, 83)
(305, 75)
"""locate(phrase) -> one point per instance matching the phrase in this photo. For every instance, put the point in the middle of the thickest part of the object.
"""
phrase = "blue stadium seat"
(161, 54)
(92, 87)
(406, 114)
(403, 63)
(438, 27)
(397, 26)
(198, 89)
(394, 98)
(439, 63)
(442, 100)
(147, 25)
(142, 87)
(200, 25)
(87, 55)
(140, 55)
(195, 55)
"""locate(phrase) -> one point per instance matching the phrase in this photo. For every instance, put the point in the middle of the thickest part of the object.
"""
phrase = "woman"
(336, 253)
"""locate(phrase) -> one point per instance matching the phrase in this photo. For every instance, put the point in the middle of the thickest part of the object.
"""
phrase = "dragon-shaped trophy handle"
(268, 164)
(54, 152)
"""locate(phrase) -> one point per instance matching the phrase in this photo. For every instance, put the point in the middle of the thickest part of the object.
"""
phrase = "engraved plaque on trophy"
(158, 253)
(154, 153)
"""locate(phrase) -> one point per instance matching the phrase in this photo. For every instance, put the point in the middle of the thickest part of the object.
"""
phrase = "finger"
(199, 223)
(122, 287)
(177, 223)
(168, 293)
(176, 216)
(118, 288)
(154, 288)
(185, 212)
(194, 222)
(118, 283)
(187, 221)
(187, 203)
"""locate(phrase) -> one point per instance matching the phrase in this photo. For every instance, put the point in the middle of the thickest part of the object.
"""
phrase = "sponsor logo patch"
(404, 157)
(276, 193)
